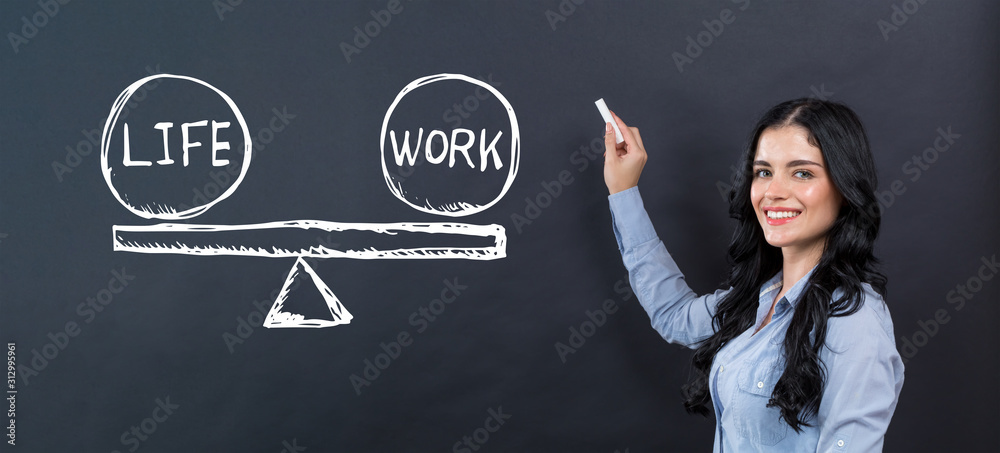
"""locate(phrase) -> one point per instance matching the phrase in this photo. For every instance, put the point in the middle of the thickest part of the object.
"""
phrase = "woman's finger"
(638, 138)
(609, 144)
(626, 134)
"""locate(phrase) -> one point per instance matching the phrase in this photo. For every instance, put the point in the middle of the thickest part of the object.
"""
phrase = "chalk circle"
(458, 209)
(169, 212)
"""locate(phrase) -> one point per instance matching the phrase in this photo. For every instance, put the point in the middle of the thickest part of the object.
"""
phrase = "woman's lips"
(780, 216)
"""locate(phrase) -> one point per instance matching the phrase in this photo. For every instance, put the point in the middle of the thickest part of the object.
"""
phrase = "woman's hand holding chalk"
(606, 114)
(623, 162)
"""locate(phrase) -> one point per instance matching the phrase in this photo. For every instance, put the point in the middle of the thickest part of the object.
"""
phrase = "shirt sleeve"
(675, 311)
(864, 378)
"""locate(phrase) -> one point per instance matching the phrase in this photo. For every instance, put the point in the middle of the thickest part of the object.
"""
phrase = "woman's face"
(792, 193)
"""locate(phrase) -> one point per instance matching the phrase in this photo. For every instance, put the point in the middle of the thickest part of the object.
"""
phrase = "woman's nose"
(777, 188)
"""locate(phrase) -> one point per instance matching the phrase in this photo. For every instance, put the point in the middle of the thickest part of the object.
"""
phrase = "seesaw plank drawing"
(297, 239)
(136, 150)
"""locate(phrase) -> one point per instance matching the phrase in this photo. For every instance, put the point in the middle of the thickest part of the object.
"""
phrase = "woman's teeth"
(782, 214)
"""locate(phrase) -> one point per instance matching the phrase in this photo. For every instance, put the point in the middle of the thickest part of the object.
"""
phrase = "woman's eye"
(761, 173)
(803, 174)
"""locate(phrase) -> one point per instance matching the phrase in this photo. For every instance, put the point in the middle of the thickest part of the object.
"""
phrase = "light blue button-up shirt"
(864, 370)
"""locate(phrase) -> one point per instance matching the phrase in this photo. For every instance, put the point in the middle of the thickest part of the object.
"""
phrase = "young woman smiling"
(798, 354)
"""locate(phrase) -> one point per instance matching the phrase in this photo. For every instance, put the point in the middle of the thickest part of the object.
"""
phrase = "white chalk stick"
(608, 119)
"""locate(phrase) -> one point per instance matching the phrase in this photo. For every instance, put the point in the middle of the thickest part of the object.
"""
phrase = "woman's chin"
(778, 240)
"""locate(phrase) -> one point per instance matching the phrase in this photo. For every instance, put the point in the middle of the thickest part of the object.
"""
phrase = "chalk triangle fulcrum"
(304, 309)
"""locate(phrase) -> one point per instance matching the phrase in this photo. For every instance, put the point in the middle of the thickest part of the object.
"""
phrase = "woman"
(798, 354)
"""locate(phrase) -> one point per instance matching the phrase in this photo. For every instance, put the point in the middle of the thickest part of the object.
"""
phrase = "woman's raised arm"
(675, 311)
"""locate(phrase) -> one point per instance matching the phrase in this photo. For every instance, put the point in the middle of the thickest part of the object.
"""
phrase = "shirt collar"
(793, 293)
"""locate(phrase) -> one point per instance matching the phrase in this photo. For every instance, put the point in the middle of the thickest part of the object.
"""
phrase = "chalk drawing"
(292, 238)
(401, 150)
(278, 317)
(159, 210)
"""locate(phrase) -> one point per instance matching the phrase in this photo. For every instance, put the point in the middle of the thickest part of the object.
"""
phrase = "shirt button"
(840, 443)
(722, 368)
(760, 384)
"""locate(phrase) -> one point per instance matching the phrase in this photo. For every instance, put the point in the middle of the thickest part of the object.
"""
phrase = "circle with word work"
(450, 145)
(173, 147)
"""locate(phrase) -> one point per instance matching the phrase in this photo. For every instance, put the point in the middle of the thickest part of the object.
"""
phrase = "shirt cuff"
(630, 220)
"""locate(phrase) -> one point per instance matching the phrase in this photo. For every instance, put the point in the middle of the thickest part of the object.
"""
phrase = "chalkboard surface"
(382, 226)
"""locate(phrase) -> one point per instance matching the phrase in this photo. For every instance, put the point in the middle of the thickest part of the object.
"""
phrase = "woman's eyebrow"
(794, 163)
(803, 162)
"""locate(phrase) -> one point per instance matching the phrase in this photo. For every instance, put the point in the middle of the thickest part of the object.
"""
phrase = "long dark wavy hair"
(847, 262)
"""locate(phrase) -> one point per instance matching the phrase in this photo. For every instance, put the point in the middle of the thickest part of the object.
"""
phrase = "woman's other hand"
(623, 162)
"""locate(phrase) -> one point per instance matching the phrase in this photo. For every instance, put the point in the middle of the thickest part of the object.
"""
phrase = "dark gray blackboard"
(177, 350)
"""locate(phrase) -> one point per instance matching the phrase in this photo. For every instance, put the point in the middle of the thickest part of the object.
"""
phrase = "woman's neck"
(797, 262)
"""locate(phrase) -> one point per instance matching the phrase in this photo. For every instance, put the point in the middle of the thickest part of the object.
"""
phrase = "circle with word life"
(450, 145)
(174, 146)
